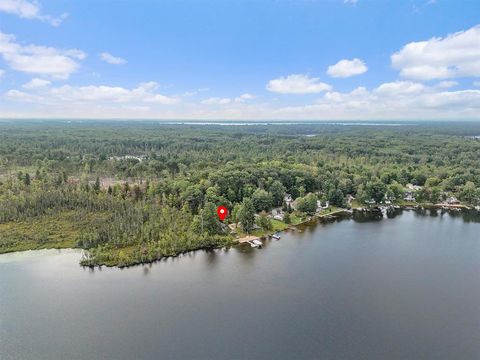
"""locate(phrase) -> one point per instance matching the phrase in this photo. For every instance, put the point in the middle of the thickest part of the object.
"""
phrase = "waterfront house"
(350, 198)
(277, 214)
(288, 199)
(409, 196)
(452, 200)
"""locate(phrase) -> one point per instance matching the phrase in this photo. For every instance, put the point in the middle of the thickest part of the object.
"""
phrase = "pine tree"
(246, 215)
(26, 179)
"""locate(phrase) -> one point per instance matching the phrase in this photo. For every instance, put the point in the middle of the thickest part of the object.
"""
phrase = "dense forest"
(133, 192)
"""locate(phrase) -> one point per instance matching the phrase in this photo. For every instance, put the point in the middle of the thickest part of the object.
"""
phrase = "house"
(388, 198)
(412, 187)
(409, 196)
(279, 217)
(278, 214)
(139, 158)
(321, 207)
(452, 200)
(288, 199)
(350, 198)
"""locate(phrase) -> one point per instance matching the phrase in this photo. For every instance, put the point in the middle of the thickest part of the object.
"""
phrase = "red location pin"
(222, 212)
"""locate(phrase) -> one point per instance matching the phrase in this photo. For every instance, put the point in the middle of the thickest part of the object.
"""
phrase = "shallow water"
(401, 288)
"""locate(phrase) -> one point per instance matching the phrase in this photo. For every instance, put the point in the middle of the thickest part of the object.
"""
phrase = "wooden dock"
(247, 239)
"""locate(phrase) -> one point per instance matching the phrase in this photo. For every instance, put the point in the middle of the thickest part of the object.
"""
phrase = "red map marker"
(222, 212)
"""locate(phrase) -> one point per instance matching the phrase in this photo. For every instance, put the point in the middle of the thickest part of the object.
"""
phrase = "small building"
(409, 196)
(452, 200)
(321, 207)
(288, 199)
(279, 217)
(276, 211)
(277, 214)
(412, 187)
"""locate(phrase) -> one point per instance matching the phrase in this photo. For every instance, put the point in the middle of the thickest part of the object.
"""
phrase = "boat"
(276, 236)
(255, 243)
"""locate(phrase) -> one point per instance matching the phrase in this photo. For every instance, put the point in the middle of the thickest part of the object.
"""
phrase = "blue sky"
(284, 59)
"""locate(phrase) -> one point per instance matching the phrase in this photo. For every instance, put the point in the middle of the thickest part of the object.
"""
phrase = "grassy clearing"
(57, 231)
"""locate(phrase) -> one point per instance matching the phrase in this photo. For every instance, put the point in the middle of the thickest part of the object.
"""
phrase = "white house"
(413, 187)
(279, 217)
(278, 214)
(288, 199)
(409, 196)
(452, 200)
(350, 198)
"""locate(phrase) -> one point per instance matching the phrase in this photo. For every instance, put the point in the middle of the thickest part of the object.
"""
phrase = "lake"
(407, 287)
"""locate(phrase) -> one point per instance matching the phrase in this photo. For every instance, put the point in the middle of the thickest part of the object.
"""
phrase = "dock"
(247, 239)
(254, 241)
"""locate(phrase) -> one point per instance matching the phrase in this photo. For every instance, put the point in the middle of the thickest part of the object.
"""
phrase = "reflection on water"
(374, 214)
(405, 287)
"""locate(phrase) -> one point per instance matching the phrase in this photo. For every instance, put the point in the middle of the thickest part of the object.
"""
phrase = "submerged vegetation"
(136, 192)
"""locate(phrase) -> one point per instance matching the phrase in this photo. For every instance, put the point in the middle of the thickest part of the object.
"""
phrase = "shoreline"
(332, 216)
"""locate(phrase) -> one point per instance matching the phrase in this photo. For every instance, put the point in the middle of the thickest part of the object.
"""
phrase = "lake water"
(400, 288)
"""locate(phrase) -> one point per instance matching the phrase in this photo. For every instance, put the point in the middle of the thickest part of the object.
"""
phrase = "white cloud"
(399, 88)
(446, 84)
(22, 96)
(58, 63)
(391, 100)
(244, 97)
(216, 101)
(224, 101)
(353, 2)
(162, 99)
(397, 100)
(346, 68)
(476, 83)
(456, 55)
(297, 84)
(195, 92)
(109, 58)
(29, 10)
(137, 108)
(36, 83)
(96, 94)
